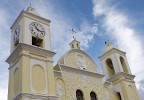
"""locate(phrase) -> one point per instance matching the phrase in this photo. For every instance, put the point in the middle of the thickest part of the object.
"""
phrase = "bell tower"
(75, 44)
(117, 71)
(30, 60)
(30, 28)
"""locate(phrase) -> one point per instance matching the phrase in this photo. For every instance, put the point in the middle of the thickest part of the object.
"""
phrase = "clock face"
(37, 29)
(16, 33)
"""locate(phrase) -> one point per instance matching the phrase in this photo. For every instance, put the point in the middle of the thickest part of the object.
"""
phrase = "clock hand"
(38, 29)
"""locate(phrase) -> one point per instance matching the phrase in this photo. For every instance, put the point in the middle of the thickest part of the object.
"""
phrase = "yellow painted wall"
(38, 79)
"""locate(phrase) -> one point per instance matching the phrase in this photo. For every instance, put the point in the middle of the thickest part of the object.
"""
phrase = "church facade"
(76, 76)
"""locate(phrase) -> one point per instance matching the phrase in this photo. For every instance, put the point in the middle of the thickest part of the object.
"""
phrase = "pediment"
(79, 59)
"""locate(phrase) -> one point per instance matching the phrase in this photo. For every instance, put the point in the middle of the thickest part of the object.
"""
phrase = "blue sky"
(95, 21)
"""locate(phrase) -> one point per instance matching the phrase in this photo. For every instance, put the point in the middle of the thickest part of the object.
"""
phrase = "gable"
(78, 59)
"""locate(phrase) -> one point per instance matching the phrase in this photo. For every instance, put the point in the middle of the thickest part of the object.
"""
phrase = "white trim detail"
(64, 67)
(28, 14)
(30, 48)
(113, 50)
(28, 96)
(34, 62)
(121, 74)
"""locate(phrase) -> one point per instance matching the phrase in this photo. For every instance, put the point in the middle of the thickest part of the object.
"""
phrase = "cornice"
(110, 87)
(113, 50)
(121, 75)
(36, 16)
(33, 96)
(30, 48)
(57, 73)
(107, 83)
(25, 13)
(63, 67)
(29, 57)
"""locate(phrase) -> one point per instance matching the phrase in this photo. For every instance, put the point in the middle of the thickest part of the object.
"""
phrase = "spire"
(73, 32)
(109, 45)
(74, 44)
(30, 9)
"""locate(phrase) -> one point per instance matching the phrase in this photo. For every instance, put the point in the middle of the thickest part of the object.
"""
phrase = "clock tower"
(31, 58)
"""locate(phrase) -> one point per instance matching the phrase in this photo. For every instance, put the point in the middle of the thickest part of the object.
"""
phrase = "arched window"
(78, 46)
(123, 65)
(119, 96)
(110, 67)
(72, 45)
(37, 42)
(79, 95)
(93, 96)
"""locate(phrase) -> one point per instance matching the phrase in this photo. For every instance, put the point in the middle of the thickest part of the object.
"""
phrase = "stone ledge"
(57, 73)
(64, 67)
(120, 75)
(113, 50)
(30, 48)
(34, 96)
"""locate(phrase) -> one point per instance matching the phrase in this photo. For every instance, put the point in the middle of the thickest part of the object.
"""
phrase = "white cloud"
(4, 32)
(60, 35)
(86, 33)
(118, 26)
(60, 25)
(4, 52)
(3, 86)
(141, 89)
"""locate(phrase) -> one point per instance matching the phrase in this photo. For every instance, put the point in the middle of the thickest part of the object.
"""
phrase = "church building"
(76, 76)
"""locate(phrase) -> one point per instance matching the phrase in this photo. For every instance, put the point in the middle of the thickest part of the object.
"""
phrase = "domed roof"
(79, 59)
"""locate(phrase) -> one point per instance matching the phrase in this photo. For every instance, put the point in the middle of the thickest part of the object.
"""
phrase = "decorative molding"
(57, 73)
(44, 66)
(33, 96)
(71, 56)
(110, 87)
(120, 75)
(76, 50)
(107, 83)
(79, 79)
(25, 13)
(36, 58)
(113, 50)
(64, 67)
(30, 48)
(15, 62)
(81, 62)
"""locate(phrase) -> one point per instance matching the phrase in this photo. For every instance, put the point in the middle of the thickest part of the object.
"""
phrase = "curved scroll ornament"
(80, 62)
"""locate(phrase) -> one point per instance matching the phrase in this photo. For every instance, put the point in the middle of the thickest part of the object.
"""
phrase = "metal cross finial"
(108, 43)
(30, 8)
(73, 32)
